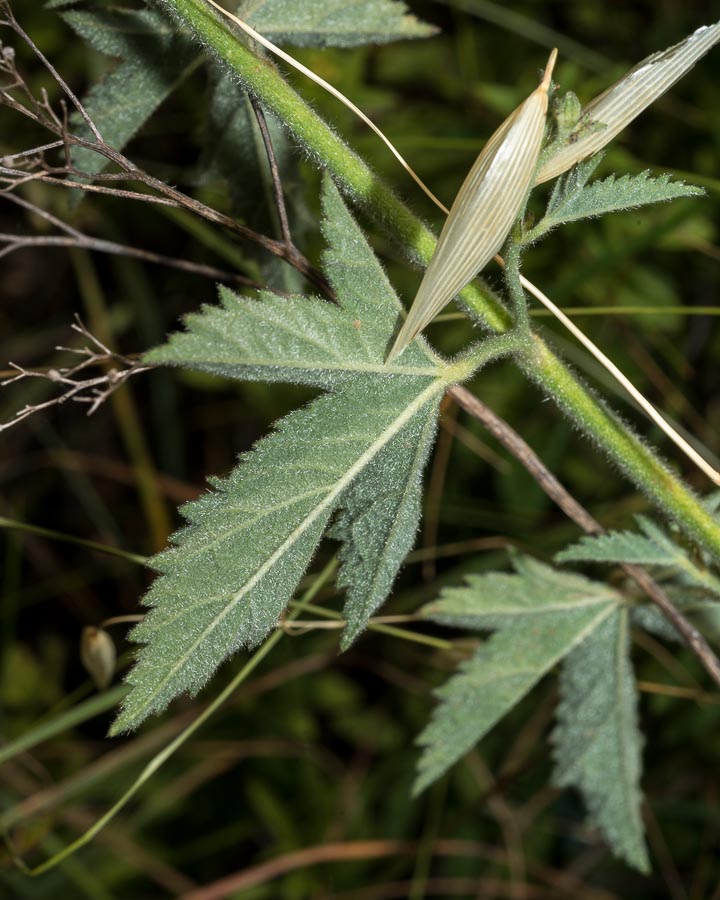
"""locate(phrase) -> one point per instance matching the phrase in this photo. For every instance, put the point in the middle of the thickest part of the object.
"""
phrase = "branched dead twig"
(12, 22)
(93, 391)
(532, 463)
(33, 164)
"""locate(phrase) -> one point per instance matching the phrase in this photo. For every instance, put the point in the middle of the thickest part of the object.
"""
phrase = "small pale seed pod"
(484, 210)
(627, 98)
(98, 655)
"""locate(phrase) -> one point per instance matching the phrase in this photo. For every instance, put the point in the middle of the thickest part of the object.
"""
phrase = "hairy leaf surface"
(333, 23)
(597, 741)
(235, 567)
(378, 522)
(651, 546)
(574, 199)
(306, 340)
(539, 616)
(115, 32)
(154, 61)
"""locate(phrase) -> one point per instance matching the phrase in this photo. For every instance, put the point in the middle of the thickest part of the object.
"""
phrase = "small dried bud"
(98, 655)
(8, 54)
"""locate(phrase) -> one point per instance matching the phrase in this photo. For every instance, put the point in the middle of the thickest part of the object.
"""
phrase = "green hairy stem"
(355, 177)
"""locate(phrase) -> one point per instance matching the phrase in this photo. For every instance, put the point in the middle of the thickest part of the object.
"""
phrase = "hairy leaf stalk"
(625, 449)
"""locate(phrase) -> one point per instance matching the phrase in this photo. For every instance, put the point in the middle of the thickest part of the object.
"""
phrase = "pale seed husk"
(627, 98)
(483, 212)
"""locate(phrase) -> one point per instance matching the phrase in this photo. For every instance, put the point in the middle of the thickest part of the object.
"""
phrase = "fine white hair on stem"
(639, 398)
(642, 401)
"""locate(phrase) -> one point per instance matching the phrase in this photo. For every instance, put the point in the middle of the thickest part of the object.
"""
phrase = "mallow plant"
(349, 465)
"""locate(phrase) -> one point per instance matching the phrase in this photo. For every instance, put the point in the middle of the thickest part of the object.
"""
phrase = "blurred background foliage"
(317, 750)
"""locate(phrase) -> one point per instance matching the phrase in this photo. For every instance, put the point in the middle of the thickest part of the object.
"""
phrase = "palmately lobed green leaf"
(333, 23)
(298, 340)
(497, 599)
(620, 547)
(651, 546)
(549, 614)
(576, 200)
(597, 741)
(234, 568)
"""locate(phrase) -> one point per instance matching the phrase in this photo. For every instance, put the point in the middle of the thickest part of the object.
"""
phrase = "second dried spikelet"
(484, 210)
(616, 107)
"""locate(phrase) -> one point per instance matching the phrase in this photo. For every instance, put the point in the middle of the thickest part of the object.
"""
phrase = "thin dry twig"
(15, 25)
(93, 391)
(274, 171)
(25, 166)
(348, 851)
(294, 255)
(527, 457)
(73, 238)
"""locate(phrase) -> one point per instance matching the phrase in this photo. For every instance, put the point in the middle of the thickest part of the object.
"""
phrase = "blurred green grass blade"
(71, 539)
(96, 705)
(160, 758)
(531, 29)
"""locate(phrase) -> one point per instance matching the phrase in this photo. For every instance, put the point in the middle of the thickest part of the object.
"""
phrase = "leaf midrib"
(340, 486)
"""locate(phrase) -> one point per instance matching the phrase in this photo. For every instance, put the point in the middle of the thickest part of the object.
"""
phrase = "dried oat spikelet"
(627, 98)
(98, 655)
(484, 210)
